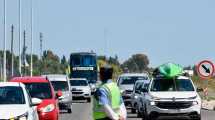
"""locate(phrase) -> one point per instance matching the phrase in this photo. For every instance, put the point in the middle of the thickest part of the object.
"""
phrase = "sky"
(180, 31)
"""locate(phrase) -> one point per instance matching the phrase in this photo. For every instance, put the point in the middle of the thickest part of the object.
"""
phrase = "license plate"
(174, 111)
(76, 95)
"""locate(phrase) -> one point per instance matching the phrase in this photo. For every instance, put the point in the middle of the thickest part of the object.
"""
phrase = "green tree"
(137, 63)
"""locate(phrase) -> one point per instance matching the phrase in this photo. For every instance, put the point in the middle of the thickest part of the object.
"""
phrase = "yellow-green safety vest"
(114, 98)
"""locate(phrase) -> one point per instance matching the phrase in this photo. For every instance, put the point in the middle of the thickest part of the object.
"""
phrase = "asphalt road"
(82, 111)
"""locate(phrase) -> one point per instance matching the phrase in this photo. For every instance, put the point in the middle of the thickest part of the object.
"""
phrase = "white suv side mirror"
(36, 101)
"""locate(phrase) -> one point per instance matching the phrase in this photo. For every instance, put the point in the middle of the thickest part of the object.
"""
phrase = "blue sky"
(181, 31)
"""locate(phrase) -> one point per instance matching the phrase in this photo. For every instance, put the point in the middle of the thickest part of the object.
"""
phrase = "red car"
(40, 87)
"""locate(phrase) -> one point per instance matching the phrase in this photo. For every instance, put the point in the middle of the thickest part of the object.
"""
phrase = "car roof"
(11, 84)
(78, 79)
(56, 77)
(179, 77)
(35, 79)
(134, 74)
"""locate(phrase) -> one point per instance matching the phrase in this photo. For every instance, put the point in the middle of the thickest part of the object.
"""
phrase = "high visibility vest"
(114, 98)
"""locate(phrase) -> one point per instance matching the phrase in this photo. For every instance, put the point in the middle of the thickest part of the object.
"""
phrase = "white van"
(171, 98)
(61, 83)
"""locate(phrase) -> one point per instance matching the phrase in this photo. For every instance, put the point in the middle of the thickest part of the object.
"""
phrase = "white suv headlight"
(48, 108)
(21, 117)
(195, 102)
(152, 103)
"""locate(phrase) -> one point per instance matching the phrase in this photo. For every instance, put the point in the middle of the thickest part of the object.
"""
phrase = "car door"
(32, 109)
(136, 92)
(142, 96)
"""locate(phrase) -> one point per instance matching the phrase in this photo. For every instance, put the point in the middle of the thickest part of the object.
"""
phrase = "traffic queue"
(40, 97)
(169, 93)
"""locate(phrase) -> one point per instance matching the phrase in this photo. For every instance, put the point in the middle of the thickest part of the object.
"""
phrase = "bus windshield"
(83, 60)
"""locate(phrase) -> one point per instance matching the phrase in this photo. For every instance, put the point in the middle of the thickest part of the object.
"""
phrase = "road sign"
(205, 69)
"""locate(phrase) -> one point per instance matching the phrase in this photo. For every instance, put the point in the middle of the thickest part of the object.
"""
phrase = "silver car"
(137, 94)
(61, 83)
(126, 84)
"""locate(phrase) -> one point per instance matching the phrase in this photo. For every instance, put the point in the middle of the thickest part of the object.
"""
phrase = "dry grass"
(210, 84)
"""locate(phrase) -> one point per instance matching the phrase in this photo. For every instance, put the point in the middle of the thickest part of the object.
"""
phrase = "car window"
(11, 95)
(78, 83)
(138, 85)
(172, 85)
(60, 85)
(130, 80)
(39, 90)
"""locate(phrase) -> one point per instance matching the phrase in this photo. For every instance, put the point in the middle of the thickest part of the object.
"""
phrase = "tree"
(137, 63)
(50, 63)
(64, 64)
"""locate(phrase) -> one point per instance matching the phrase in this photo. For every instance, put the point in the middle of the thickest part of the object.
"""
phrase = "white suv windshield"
(131, 80)
(78, 83)
(172, 85)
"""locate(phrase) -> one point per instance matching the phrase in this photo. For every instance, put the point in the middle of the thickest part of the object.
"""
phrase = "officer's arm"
(110, 113)
(104, 101)
(123, 112)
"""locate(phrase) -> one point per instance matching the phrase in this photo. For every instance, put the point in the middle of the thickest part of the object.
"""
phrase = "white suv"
(80, 89)
(171, 98)
(15, 102)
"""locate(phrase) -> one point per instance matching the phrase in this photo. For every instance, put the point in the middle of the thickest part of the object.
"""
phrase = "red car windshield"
(39, 90)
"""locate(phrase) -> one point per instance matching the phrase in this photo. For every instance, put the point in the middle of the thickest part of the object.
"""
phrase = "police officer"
(108, 103)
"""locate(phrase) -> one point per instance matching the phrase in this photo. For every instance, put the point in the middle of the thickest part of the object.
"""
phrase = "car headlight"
(48, 108)
(21, 117)
(152, 103)
(66, 95)
(153, 100)
(195, 102)
(121, 91)
(135, 97)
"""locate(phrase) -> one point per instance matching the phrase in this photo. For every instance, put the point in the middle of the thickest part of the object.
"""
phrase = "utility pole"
(24, 54)
(5, 39)
(41, 45)
(20, 37)
(1, 69)
(12, 54)
(31, 67)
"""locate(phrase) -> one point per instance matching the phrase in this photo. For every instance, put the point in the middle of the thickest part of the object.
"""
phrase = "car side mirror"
(199, 90)
(144, 90)
(59, 94)
(36, 101)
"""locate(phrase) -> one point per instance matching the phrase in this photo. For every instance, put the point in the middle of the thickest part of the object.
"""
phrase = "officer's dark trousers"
(104, 119)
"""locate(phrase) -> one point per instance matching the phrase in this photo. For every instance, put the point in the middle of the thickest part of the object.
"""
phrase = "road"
(82, 111)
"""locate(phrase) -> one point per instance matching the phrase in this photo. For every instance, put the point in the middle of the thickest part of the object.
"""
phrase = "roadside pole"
(5, 44)
(12, 54)
(31, 67)
(20, 37)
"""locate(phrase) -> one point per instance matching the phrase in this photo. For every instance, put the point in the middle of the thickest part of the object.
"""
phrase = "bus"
(84, 65)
